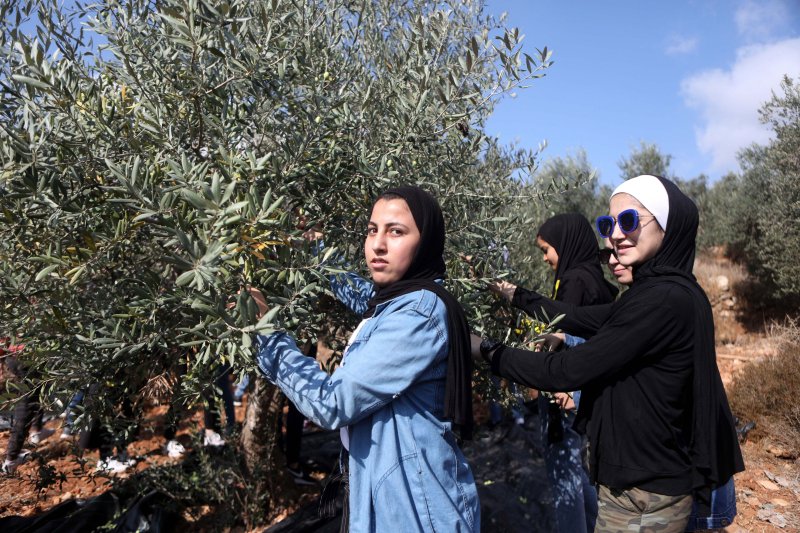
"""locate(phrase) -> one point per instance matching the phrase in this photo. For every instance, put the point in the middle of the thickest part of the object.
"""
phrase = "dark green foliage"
(756, 215)
(771, 186)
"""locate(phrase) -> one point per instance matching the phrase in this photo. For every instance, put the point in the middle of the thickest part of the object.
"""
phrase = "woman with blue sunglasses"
(653, 406)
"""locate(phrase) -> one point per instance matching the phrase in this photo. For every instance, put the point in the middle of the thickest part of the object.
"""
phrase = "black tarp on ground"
(508, 466)
(142, 514)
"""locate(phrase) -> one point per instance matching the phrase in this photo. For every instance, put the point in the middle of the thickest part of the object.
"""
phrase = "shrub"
(766, 391)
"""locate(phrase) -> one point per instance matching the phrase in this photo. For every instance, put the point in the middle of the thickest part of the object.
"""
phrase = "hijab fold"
(714, 447)
(428, 266)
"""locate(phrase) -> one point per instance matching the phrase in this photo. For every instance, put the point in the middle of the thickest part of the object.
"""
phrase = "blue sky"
(687, 75)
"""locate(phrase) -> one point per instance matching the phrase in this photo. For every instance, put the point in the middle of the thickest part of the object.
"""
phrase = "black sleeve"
(572, 289)
(579, 321)
(644, 326)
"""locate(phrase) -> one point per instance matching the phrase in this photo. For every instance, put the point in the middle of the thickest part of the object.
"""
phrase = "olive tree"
(647, 158)
(768, 212)
(158, 157)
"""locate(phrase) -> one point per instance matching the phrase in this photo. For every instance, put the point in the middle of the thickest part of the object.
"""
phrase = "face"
(641, 244)
(550, 256)
(623, 274)
(392, 240)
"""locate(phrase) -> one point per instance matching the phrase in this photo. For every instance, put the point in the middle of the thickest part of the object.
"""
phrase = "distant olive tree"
(768, 214)
(158, 157)
(647, 158)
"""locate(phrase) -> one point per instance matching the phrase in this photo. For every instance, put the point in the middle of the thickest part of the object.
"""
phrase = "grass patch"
(766, 391)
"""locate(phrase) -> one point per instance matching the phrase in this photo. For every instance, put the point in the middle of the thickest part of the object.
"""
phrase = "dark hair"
(389, 195)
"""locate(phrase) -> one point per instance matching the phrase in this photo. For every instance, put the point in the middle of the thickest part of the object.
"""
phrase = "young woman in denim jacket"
(404, 382)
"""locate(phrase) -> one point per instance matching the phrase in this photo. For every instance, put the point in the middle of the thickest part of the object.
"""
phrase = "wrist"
(488, 347)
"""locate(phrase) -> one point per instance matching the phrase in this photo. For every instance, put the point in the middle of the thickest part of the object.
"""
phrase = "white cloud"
(678, 44)
(728, 100)
(762, 20)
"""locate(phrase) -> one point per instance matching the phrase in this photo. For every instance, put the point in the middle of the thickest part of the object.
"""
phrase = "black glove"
(483, 349)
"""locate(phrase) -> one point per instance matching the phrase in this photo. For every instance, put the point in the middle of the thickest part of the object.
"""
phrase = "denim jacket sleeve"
(352, 290)
(571, 341)
(403, 345)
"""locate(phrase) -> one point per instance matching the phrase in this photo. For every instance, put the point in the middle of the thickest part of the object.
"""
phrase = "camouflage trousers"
(639, 510)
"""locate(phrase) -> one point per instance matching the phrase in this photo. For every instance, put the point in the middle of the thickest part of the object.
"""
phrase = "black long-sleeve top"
(636, 376)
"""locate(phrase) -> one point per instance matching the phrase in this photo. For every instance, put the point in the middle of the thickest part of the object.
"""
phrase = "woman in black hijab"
(653, 406)
(570, 247)
(579, 277)
(405, 380)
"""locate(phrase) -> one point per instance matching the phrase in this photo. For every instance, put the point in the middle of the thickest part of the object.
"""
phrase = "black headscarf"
(714, 447)
(426, 267)
(573, 238)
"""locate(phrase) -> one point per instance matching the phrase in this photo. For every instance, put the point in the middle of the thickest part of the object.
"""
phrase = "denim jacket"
(407, 472)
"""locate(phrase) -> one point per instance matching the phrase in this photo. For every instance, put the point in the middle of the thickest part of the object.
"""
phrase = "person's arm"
(352, 290)
(349, 288)
(628, 335)
(579, 321)
(571, 341)
(400, 350)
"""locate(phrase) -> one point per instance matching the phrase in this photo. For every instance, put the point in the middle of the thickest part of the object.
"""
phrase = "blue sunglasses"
(628, 221)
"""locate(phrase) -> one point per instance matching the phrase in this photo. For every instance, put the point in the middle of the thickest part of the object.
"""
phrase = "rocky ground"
(507, 461)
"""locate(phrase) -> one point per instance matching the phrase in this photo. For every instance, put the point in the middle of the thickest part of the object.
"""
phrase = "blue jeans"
(76, 400)
(723, 509)
(574, 496)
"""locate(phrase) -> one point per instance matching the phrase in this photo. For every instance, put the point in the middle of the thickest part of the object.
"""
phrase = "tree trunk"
(268, 484)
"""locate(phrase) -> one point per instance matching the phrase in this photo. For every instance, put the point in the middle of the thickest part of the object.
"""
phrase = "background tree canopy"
(152, 171)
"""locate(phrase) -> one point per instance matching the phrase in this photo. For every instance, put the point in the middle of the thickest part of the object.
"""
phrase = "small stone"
(780, 480)
(767, 484)
(723, 283)
(764, 514)
(783, 453)
(780, 502)
(778, 520)
(66, 496)
(729, 303)
(752, 500)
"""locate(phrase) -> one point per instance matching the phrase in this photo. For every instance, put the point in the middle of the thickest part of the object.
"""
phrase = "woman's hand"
(564, 400)
(483, 349)
(258, 298)
(503, 289)
(553, 342)
(313, 234)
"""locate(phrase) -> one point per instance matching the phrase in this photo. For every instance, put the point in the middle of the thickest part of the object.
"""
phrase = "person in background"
(69, 414)
(569, 247)
(28, 414)
(211, 418)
